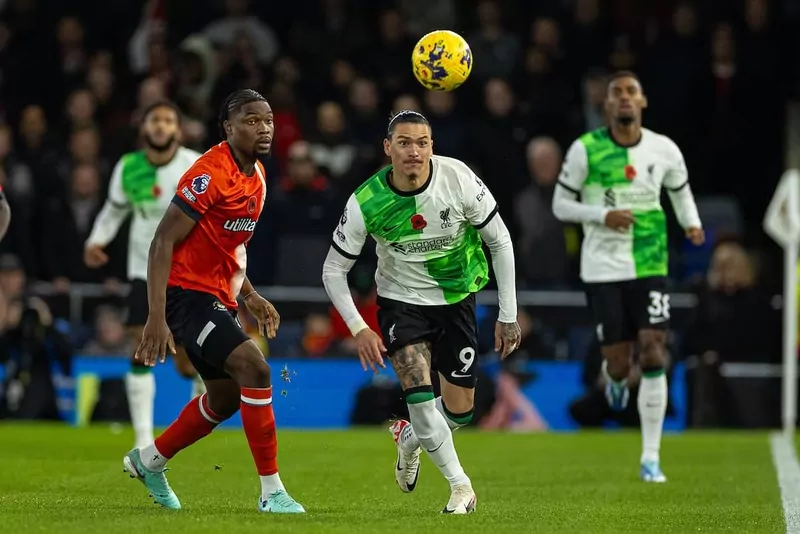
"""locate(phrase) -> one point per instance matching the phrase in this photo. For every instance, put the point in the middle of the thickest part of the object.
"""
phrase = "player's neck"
(626, 134)
(247, 164)
(407, 184)
(160, 158)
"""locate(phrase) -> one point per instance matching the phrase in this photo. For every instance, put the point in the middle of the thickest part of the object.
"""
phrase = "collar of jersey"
(413, 193)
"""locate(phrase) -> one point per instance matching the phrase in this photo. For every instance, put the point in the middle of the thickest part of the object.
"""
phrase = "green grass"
(65, 480)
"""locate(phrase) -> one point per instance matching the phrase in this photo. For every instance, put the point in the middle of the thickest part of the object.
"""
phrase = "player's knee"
(458, 410)
(618, 360)
(618, 368)
(458, 419)
(652, 348)
(247, 366)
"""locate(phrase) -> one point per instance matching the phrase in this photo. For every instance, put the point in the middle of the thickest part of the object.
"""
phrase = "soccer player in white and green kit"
(611, 182)
(142, 186)
(429, 216)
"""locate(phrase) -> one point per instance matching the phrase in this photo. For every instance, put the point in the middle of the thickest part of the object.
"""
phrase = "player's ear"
(228, 127)
(644, 102)
(386, 150)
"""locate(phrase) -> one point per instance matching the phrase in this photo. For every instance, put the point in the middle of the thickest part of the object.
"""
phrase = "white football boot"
(406, 469)
(462, 500)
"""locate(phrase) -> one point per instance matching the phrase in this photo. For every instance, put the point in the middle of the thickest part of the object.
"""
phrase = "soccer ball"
(442, 60)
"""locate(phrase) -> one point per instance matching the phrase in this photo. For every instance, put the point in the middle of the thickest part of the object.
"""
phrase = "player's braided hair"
(233, 102)
(405, 116)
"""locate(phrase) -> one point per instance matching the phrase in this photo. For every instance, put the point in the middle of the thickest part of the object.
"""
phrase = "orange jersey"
(226, 203)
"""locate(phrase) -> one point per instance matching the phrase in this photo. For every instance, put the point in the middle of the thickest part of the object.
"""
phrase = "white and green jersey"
(146, 191)
(608, 176)
(428, 246)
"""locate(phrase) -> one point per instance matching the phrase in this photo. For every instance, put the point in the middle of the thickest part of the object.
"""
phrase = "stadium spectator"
(305, 202)
(541, 248)
(367, 123)
(69, 222)
(110, 337)
(331, 145)
(495, 50)
(240, 22)
(732, 307)
(450, 135)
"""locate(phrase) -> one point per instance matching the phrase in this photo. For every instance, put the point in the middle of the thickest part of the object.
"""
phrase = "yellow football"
(442, 60)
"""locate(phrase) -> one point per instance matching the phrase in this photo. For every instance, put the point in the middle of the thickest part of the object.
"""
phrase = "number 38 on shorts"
(622, 309)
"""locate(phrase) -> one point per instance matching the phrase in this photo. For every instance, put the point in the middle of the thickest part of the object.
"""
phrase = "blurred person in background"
(304, 202)
(451, 128)
(611, 181)
(110, 337)
(407, 101)
(238, 22)
(541, 246)
(497, 143)
(72, 54)
(395, 44)
(32, 350)
(332, 147)
(366, 122)
(595, 85)
(512, 409)
(142, 186)
(68, 225)
(16, 183)
(495, 49)
(734, 322)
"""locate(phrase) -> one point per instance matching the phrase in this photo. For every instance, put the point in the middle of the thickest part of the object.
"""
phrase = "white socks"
(652, 403)
(141, 390)
(152, 459)
(408, 439)
(434, 435)
(270, 484)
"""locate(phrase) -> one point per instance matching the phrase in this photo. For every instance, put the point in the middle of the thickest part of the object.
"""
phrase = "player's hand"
(156, 342)
(94, 257)
(619, 219)
(696, 235)
(507, 337)
(265, 313)
(370, 350)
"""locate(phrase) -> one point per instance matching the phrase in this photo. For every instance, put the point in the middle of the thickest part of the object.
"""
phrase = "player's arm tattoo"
(412, 364)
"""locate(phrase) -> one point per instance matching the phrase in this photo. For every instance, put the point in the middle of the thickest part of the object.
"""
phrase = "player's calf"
(248, 368)
(616, 368)
(652, 402)
(407, 439)
(140, 389)
(433, 434)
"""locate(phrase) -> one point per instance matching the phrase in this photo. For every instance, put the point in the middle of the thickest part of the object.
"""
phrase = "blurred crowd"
(75, 75)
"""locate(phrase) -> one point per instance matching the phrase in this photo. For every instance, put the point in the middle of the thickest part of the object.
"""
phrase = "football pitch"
(65, 480)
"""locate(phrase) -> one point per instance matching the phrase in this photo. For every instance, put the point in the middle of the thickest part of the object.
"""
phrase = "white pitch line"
(784, 457)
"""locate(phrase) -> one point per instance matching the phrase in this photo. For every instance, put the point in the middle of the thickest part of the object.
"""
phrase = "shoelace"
(164, 481)
(282, 498)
